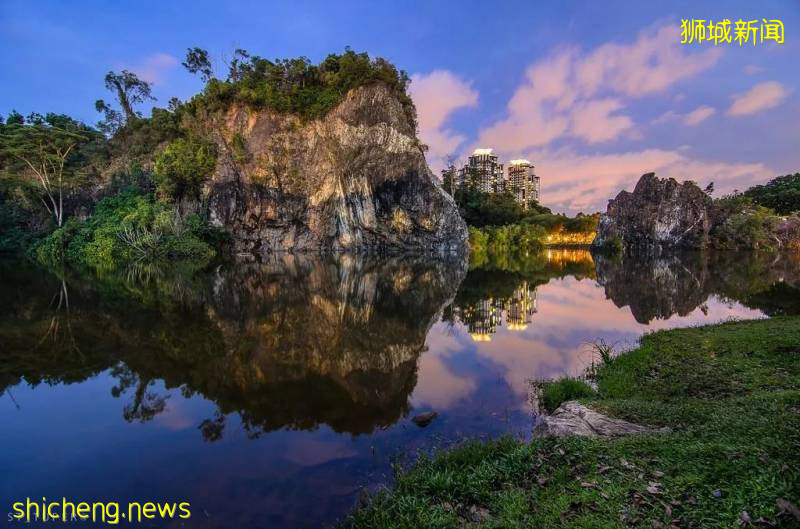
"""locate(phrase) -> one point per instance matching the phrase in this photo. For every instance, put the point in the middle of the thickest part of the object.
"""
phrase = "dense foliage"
(182, 167)
(741, 224)
(484, 210)
(125, 228)
(780, 194)
(296, 85)
(48, 159)
(513, 237)
(481, 209)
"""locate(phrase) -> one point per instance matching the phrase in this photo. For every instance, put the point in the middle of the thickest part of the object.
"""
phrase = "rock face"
(573, 418)
(354, 180)
(659, 214)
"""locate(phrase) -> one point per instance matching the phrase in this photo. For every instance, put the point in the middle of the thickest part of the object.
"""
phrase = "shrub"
(556, 392)
(124, 228)
(183, 166)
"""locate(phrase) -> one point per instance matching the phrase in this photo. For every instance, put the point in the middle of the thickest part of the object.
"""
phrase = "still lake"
(274, 394)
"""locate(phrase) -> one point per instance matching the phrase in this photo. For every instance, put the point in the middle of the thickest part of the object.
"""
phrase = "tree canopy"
(48, 153)
(297, 85)
(781, 194)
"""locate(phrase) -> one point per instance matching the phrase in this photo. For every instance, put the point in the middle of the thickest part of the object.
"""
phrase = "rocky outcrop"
(573, 418)
(659, 214)
(354, 180)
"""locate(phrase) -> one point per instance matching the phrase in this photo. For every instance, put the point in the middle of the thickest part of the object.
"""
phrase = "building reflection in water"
(485, 316)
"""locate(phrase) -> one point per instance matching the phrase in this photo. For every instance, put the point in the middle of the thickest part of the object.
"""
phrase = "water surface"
(273, 394)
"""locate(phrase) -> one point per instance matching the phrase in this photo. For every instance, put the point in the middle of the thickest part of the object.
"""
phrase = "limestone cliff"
(659, 214)
(354, 180)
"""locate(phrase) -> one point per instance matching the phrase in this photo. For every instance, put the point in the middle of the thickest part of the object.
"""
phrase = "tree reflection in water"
(298, 342)
(291, 343)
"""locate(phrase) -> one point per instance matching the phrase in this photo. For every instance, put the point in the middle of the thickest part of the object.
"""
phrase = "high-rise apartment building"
(523, 182)
(484, 171)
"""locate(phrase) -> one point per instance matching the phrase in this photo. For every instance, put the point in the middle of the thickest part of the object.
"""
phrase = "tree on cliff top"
(781, 194)
(296, 85)
(197, 61)
(129, 90)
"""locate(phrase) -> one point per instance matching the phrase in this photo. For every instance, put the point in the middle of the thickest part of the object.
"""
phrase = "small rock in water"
(424, 419)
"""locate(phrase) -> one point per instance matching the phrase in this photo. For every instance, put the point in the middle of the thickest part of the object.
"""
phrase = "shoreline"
(729, 394)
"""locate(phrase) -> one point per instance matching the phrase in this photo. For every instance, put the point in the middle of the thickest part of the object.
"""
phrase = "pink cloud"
(752, 69)
(437, 95)
(690, 119)
(573, 182)
(154, 67)
(762, 96)
(568, 94)
(698, 115)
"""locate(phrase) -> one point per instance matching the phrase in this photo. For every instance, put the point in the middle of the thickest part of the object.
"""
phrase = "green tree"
(183, 166)
(129, 90)
(15, 118)
(46, 154)
(112, 119)
(781, 194)
(197, 61)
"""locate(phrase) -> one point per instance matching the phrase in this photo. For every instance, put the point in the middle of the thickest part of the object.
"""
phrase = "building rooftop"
(520, 162)
(479, 152)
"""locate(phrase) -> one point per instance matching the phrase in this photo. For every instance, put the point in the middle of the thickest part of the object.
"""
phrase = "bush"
(556, 392)
(780, 194)
(183, 166)
(514, 237)
(124, 228)
(741, 224)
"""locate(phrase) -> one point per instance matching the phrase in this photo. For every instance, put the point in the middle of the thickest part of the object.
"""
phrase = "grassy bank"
(730, 393)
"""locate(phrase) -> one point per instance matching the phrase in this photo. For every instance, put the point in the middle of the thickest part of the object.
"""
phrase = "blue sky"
(594, 93)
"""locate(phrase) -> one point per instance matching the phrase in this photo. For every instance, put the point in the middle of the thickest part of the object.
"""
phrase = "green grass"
(730, 393)
(553, 393)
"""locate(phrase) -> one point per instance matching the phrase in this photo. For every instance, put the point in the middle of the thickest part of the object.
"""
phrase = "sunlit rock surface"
(356, 179)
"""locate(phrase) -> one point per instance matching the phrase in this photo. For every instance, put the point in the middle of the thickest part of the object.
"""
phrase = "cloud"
(752, 69)
(698, 115)
(573, 182)
(690, 119)
(437, 95)
(154, 67)
(762, 96)
(569, 94)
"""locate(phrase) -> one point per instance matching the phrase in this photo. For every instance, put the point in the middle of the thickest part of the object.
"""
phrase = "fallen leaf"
(785, 506)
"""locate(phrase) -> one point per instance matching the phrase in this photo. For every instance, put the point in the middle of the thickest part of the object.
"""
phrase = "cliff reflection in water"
(658, 288)
(292, 343)
(300, 342)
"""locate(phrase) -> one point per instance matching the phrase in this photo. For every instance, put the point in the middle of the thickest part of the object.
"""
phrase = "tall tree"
(197, 61)
(45, 152)
(129, 90)
(112, 121)
(239, 66)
